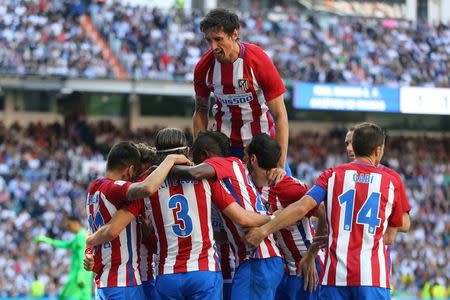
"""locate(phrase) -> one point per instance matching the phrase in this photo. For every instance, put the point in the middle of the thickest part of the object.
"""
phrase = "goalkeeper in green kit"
(79, 284)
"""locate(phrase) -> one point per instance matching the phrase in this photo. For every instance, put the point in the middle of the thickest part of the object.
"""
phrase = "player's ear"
(235, 34)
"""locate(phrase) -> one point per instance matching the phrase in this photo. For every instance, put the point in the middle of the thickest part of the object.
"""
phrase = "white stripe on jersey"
(246, 110)
(218, 89)
(344, 235)
(194, 254)
(330, 228)
(143, 264)
(168, 221)
(134, 250)
(212, 252)
(367, 240)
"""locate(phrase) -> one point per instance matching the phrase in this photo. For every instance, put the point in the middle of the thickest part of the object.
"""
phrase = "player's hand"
(320, 241)
(307, 269)
(254, 236)
(180, 159)
(275, 175)
(88, 261)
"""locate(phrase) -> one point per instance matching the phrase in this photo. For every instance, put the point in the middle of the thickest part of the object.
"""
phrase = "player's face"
(348, 146)
(222, 44)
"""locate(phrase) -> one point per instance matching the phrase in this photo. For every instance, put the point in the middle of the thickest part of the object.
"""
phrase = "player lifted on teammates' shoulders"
(247, 87)
(361, 202)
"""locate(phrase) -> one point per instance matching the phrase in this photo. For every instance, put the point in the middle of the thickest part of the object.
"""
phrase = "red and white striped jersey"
(116, 263)
(148, 250)
(181, 216)
(295, 240)
(234, 176)
(361, 201)
(402, 189)
(242, 90)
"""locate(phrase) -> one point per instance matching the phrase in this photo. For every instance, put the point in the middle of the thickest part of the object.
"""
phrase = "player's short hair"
(212, 141)
(366, 138)
(73, 218)
(123, 155)
(220, 19)
(148, 153)
(266, 149)
(170, 141)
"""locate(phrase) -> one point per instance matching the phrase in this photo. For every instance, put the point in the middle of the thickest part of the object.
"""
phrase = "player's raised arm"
(200, 119)
(278, 110)
(153, 181)
(201, 171)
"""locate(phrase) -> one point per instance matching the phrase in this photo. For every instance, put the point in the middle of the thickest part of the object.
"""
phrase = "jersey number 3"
(367, 215)
(180, 209)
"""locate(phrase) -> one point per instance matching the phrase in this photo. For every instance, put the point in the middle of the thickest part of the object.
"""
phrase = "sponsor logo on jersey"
(234, 99)
(243, 84)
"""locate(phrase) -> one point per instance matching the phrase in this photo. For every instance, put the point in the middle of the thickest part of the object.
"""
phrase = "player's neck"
(367, 159)
(234, 54)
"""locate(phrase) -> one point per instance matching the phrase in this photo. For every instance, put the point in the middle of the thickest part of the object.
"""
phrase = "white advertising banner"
(422, 100)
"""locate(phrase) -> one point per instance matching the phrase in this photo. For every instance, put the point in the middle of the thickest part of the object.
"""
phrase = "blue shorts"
(239, 153)
(121, 293)
(257, 279)
(226, 290)
(291, 287)
(353, 293)
(150, 290)
(190, 285)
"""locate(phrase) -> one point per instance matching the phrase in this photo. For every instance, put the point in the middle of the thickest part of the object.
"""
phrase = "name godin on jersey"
(234, 99)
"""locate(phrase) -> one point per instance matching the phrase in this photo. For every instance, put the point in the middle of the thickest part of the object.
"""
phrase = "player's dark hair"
(366, 138)
(213, 142)
(220, 19)
(73, 218)
(148, 153)
(170, 141)
(266, 149)
(122, 155)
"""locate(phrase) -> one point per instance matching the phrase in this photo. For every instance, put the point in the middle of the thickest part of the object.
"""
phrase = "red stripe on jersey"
(237, 244)
(98, 266)
(159, 227)
(255, 125)
(138, 250)
(203, 260)
(355, 240)
(185, 243)
(235, 110)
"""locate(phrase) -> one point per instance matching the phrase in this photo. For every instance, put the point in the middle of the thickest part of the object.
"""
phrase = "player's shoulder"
(205, 61)
(390, 171)
(288, 181)
(252, 50)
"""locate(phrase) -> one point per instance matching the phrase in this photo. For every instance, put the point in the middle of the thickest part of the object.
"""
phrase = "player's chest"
(237, 78)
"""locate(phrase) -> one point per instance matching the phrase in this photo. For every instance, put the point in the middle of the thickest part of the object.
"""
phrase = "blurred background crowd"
(45, 38)
(44, 172)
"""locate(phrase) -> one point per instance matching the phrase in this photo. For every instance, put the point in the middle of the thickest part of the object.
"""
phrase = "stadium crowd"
(45, 38)
(44, 171)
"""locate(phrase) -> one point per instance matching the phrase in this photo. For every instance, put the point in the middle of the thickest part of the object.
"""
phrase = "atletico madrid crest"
(243, 84)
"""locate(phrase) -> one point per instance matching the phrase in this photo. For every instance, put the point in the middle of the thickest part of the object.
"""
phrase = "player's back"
(234, 176)
(181, 215)
(361, 201)
(115, 262)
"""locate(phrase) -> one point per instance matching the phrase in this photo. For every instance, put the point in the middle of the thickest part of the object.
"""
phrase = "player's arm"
(278, 110)
(288, 216)
(200, 119)
(112, 229)
(244, 218)
(55, 243)
(321, 220)
(201, 171)
(149, 185)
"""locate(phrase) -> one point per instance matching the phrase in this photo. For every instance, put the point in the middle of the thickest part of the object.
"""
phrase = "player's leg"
(168, 286)
(370, 292)
(266, 277)
(335, 293)
(203, 285)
